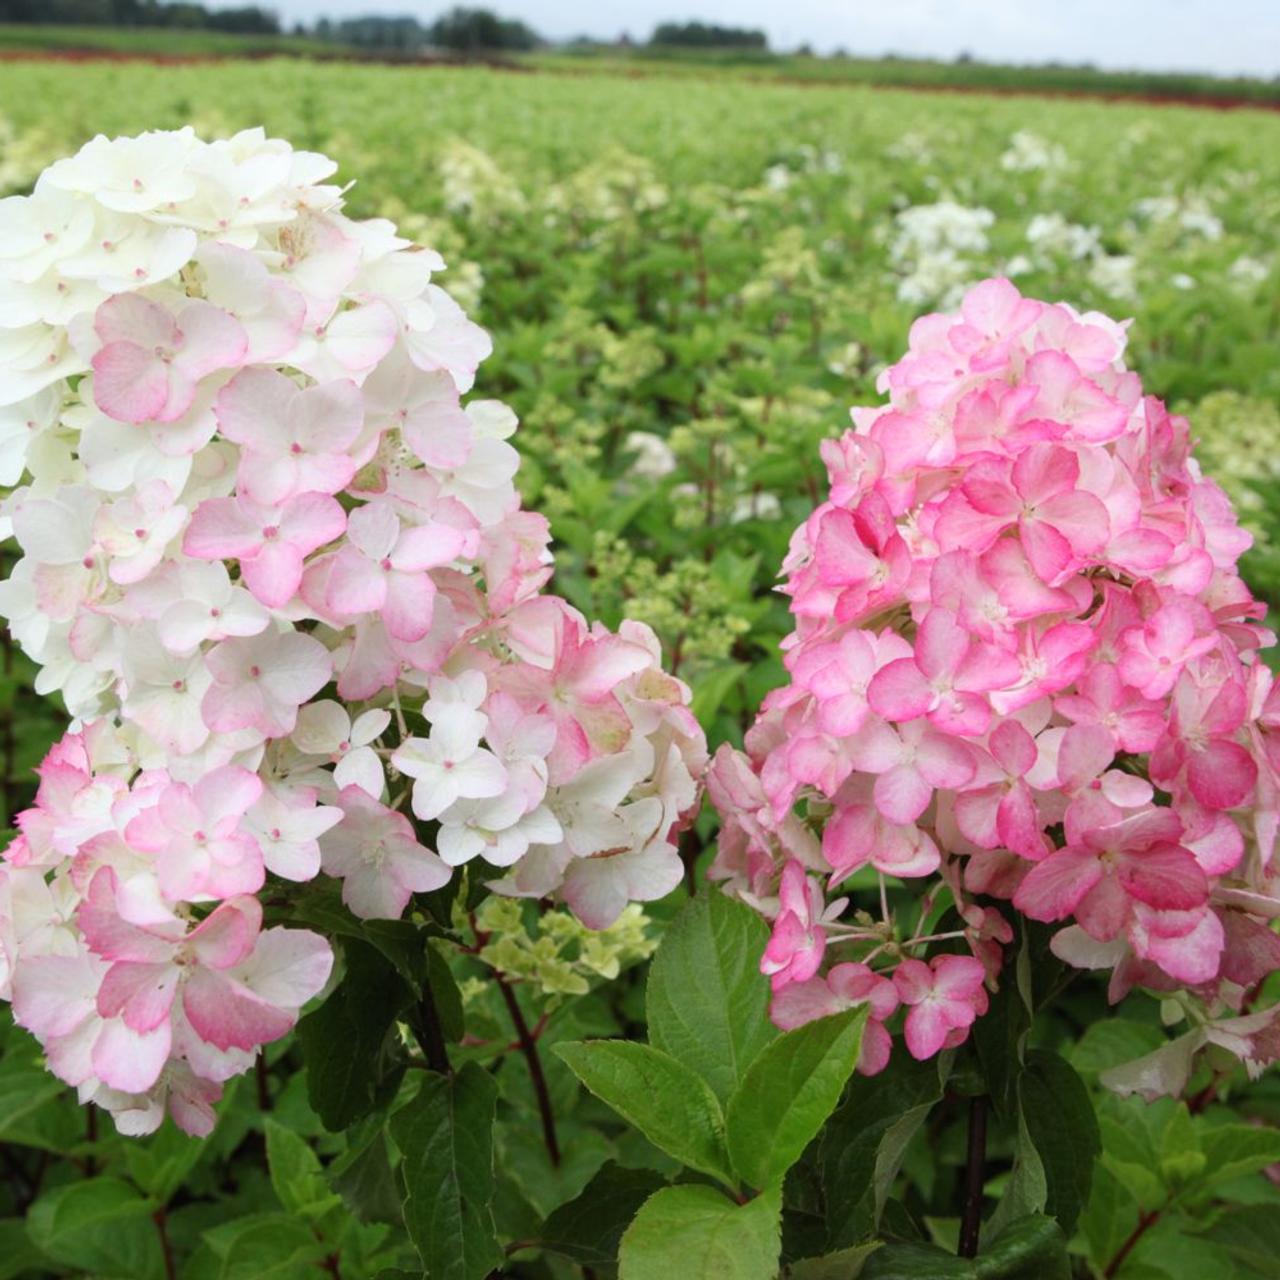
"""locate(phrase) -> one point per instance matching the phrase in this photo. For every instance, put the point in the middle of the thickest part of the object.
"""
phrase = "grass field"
(690, 276)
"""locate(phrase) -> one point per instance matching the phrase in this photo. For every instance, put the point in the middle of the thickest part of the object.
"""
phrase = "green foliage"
(788, 1092)
(696, 1232)
(445, 1137)
(706, 1002)
(664, 1099)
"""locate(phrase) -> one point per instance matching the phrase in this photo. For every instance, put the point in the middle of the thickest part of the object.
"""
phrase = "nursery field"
(688, 283)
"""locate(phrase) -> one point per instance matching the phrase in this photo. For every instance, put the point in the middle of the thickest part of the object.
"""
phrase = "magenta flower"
(1059, 523)
(845, 986)
(945, 679)
(943, 999)
(798, 941)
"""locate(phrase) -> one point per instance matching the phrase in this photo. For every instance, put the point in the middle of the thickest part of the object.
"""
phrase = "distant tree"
(703, 35)
(403, 35)
(480, 31)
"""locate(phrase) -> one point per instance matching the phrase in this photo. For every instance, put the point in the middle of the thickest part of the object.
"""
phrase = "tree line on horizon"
(461, 29)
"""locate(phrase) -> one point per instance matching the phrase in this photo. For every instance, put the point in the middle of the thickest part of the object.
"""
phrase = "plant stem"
(974, 1177)
(262, 1078)
(1145, 1222)
(430, 1033)
(166, 1247)
(529, 1047)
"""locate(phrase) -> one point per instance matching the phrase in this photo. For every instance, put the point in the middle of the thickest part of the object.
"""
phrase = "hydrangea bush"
(1026, 675)
(278, 572)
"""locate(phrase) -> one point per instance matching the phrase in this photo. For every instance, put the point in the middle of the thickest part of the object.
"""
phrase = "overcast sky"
(1227, 36)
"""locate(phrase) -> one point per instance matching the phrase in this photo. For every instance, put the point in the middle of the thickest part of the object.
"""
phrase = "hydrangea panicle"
(1024, 662)
(278, 571)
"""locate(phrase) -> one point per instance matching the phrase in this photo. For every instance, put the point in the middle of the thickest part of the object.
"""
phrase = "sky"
(1223, 36)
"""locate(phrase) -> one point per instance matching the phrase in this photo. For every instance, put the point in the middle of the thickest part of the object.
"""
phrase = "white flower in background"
(1052, 233)
(1028, 152)
(654, 458)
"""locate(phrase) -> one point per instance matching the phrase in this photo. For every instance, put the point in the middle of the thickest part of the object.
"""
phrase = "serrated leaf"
(660, 1096)
(1233, 1151)
(588, 1229)
(1251, 1237)
(696, 1233)
(296, 1173)
(1032, 1248)
(445, 1136)
(707, 1001)
(844, 1264)
(102, 1226)
(787, 1094)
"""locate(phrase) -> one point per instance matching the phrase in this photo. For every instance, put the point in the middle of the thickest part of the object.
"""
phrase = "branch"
(974, 1177)
(529, 1047)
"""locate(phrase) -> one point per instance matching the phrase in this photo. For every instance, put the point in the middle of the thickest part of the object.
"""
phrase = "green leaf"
(17, 1252)
(1060, 1122)
(1232, 1151)
(661, 1097)
(524, 1159)
(1032, 1248)
(844, 1264)
(296, 1174)
(864, 1143)
(446, 1138)
(587, 1229)
(1113, 1042)
(101, 1225)
(363, 1177)
(266, 1247)
(160, 1163)
(998, 1038)
(345, 1041)
(707, 1001)
(696, 1233)
(1251, 1237)
(788, 1092)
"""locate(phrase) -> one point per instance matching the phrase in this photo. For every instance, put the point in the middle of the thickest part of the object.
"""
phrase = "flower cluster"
(1023, 663)
(279, 573)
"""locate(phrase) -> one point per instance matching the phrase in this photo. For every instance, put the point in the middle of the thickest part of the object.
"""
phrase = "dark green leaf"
(1060, 1122)
(345, 1041)
(102, 1226)
(296, 1174)
(587, 1229)
(864, 1142)
(445, 1136)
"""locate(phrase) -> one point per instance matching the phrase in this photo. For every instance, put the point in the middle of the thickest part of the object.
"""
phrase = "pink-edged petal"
(901, 794)
(1222, 776)
(1052, 889)
(899, 691)
(228, 1015)
(129, 383)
